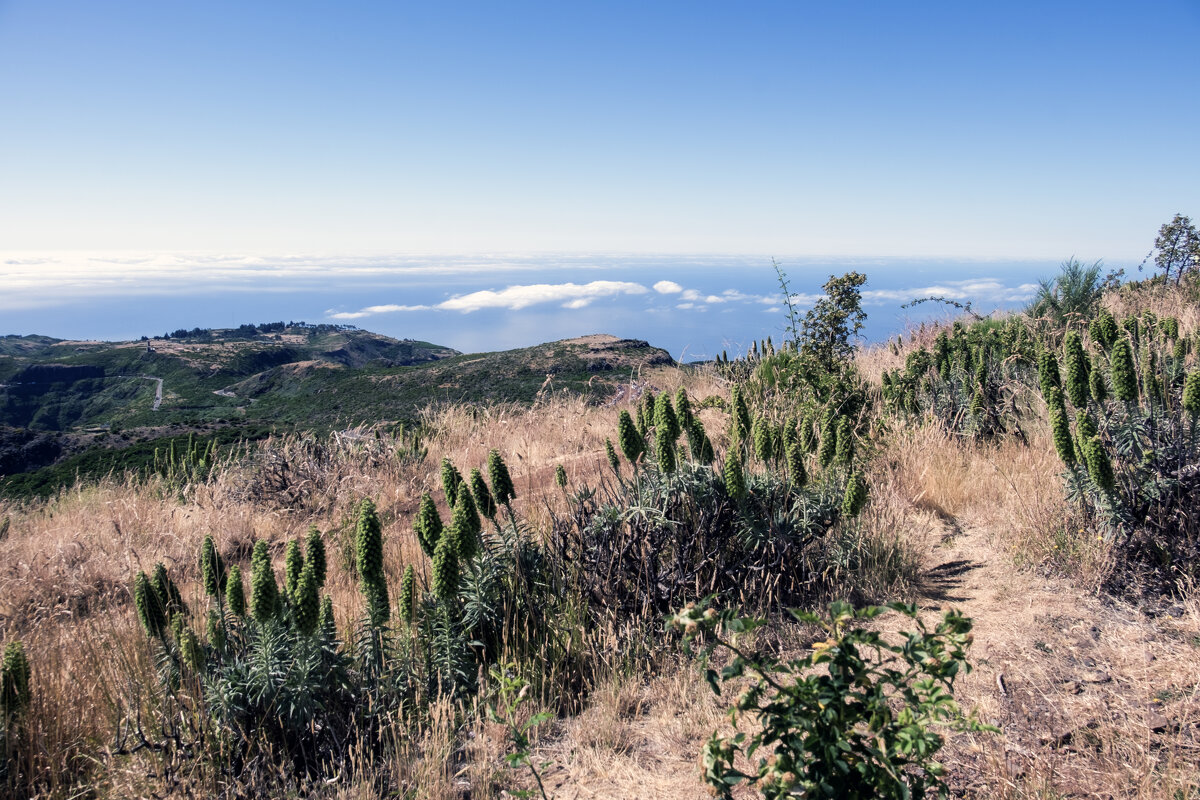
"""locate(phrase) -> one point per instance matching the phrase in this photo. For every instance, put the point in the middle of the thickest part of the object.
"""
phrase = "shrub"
(14, 681)
(858, 716)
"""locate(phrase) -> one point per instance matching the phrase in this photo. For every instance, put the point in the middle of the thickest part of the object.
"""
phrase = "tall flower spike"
(1124, 377)
(664, 448)
(1099, 390)
(741, 413)
(808, 439)
(560, 476)
(1191, 394)
(1078, 369)
(150, 610)
(1150, 382)
(1099, 467)
(215, 630)
(683, 408)
(855, 497)
(628, 437)
(235, 591)
(467, 525)
(264, 593)
(611, 454)
(735, 480)
(828, 447)
(189, 649)
(502, 485)
(314, 553)
(845, 441)
(1060, 430)
(665, 418)
(212, 568)
(369, 552)
(451, 480)
(760, 437)
(795, 465)
(408, 594)
(445, 568)
(307, 611)
(428, 525)
(293, 565)
(1048, 375)
(168, 593)
(483, 498)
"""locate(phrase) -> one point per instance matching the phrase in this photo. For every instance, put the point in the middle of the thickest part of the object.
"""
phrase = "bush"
(856, 717)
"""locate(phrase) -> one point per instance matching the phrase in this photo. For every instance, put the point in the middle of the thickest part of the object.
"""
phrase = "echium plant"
(629, 438)
(264, 593)
(1078, 370)
(1124, 376)
(427, 524)
(483, 496)
(368, 541)
(293, 565)
(314, 554)
(445, 567)
(844, 450)
(14, 681)
(466, 524)
(235, 591)
(408, 594)
(212, 568)
(451, 480)
(829, 440)
(760, 433)
(855, 497)
(502, 485)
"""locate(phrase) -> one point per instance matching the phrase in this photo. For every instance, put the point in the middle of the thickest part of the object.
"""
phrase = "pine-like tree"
(427, 524)
(1124, 377)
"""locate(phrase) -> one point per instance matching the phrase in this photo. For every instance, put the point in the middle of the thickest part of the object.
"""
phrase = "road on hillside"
(157, 392)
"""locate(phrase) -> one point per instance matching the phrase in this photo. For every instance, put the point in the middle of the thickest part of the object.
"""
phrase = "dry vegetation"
(1095, 698)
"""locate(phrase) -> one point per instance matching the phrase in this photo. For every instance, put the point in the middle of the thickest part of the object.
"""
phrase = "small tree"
(1177, 248)
(833, 321)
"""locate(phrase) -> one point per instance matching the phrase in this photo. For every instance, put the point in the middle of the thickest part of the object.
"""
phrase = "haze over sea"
(693, 306)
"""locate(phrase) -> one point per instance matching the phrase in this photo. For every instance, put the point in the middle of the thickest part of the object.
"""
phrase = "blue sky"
(1014, 132)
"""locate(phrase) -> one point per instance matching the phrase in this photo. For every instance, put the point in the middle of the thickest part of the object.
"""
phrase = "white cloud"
(978, 290)
(370, 310)
(514, 298)
(668, 287)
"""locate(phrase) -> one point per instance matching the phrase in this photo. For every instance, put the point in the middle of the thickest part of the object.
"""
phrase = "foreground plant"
(856, 717)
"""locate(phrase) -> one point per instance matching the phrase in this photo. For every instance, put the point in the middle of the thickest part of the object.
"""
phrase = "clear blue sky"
(972, 130)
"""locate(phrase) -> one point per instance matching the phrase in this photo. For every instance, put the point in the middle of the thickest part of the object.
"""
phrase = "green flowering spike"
(696, 437)
(1124, 377)
(168, 593)
(760, 436)
(212, 568)
(1150, 383)
(1099, 467)
(264, 593)
(327, 624)
(445, 568)
(150, 609)
(735, 480)
(795, 465)
(451, 480)
(707, 454)
(369, 552)
(235, 592)
(808, 439)
(855, 497)
(502, 486)
(215, 630)
(977, 404)
(645, 414)
(665, 420)
(1149, 323)
(1104, 329)
(408, 594)
(941, 355)
(664, 448)
(683, 408)
(1048, 376)
(466, 525)
(560, 476)
(741, 413)
(1085, 427)
(1169, 327)
(1130, 324)
(293, 565)
(483, 497)
(1078, 369)
(307, 610)
(427, 525)
(1180, 350)
(189, 649)
(828, 448)
(790, 433)
(611, 454)
(1060, 430)
(844, 452)
(1191, 394)
(314, 550)
(628, 437)
(1097, 386)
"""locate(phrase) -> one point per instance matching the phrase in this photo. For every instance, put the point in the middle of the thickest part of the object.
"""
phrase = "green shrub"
(14, 681)
(857, 717)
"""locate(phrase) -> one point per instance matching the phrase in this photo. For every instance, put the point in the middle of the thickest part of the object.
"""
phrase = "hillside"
(91, 405)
